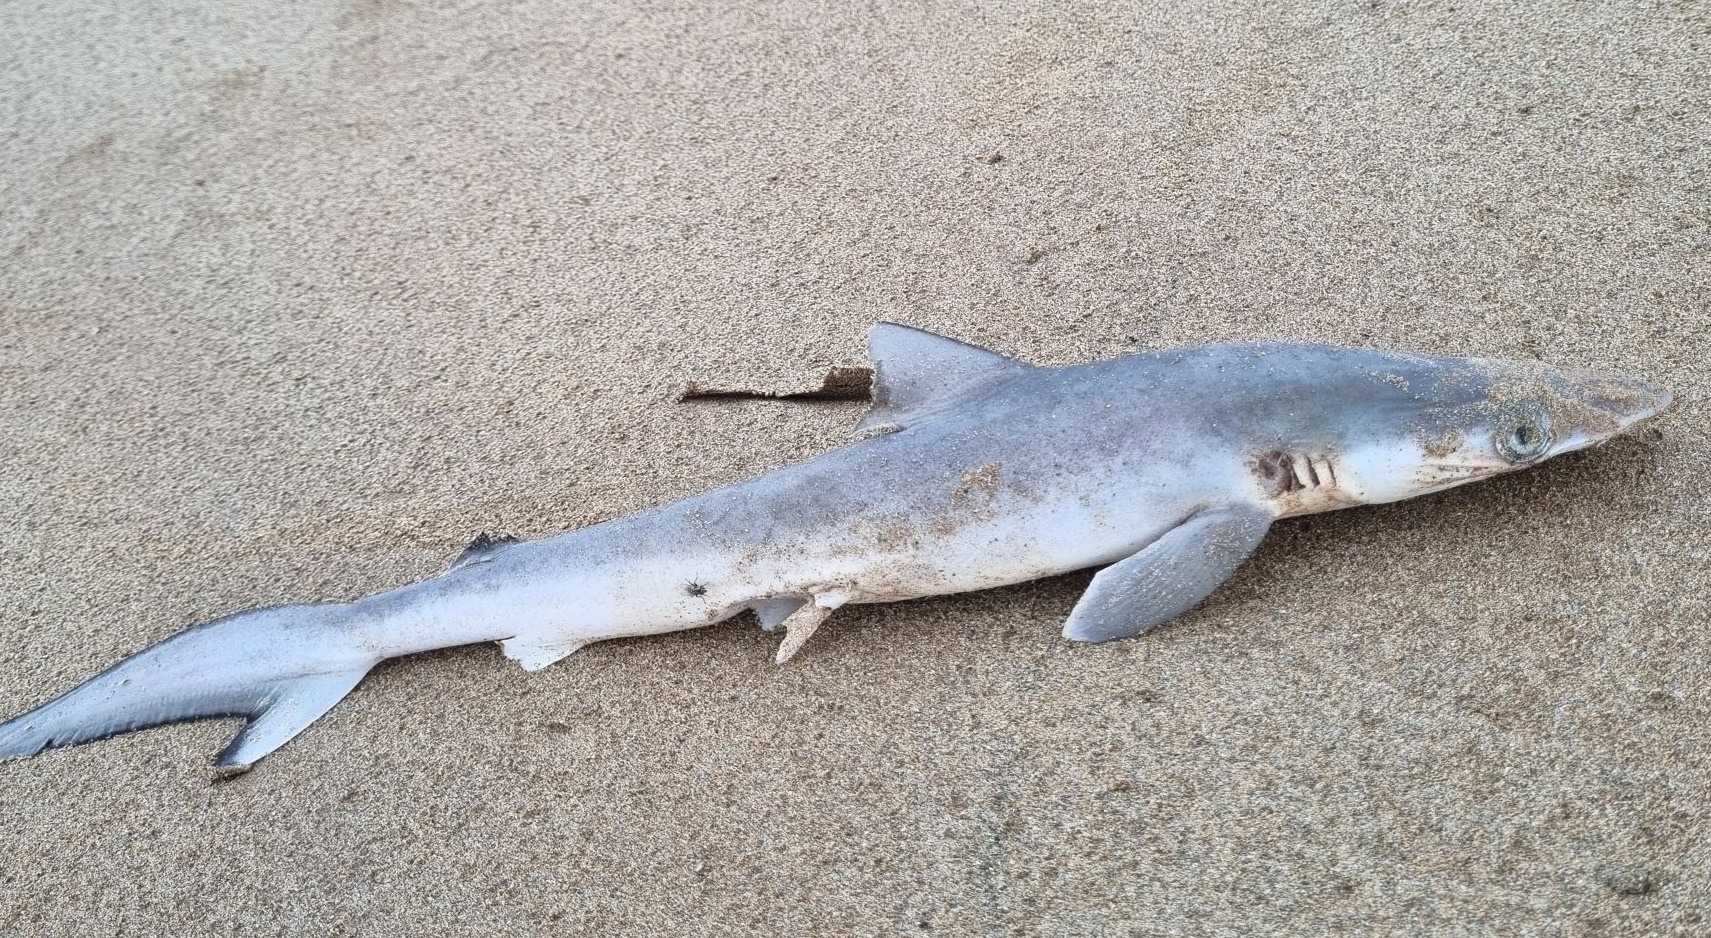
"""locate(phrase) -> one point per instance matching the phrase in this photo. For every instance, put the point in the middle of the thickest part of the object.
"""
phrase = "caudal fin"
(279, 668)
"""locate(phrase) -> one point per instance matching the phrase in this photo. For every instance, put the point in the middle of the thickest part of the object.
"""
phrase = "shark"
(970, 470)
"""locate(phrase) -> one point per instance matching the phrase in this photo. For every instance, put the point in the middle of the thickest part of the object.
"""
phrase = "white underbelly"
(685, 580)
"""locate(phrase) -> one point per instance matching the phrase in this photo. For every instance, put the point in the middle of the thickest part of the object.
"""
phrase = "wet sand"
(299, 298)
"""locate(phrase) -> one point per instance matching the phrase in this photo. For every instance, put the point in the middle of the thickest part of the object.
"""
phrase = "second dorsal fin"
(480, 550)
(917, 374)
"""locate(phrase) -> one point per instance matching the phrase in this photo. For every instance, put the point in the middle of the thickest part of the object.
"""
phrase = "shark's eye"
(1524, 439)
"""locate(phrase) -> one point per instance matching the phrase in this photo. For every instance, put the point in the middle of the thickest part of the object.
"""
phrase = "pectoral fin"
(1169, 576)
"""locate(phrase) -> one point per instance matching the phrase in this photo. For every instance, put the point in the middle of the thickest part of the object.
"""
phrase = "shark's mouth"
(1437, 476)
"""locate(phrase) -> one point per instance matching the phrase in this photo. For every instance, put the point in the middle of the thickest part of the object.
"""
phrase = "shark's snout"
(1592, 407)
(1625, 400)
(1648, 401)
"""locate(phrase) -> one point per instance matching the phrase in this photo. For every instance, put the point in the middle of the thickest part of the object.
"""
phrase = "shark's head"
(1447, 422)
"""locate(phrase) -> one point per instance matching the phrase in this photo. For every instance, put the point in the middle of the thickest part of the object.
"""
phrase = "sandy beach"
(298, 298)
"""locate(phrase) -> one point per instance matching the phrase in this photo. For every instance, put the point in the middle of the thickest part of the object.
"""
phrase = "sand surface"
(298, 297)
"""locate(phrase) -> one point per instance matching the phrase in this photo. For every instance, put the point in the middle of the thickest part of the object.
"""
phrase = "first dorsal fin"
(917, 374)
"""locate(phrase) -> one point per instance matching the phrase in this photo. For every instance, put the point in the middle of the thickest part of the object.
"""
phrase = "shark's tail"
(278, 668)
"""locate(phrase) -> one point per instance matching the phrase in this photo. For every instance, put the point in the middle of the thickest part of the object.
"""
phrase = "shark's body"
(986, 471)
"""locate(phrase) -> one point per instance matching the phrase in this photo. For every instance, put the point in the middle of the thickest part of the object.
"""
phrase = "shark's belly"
(982, 530)
(859, 537)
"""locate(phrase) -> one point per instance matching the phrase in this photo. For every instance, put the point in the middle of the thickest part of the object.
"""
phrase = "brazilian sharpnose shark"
(976, 470)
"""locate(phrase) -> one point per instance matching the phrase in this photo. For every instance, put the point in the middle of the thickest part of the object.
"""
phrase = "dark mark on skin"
(1277, 471)
(981, 483)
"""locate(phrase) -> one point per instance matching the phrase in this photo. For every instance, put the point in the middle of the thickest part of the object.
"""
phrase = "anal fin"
(534, 655)
(291, 707)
